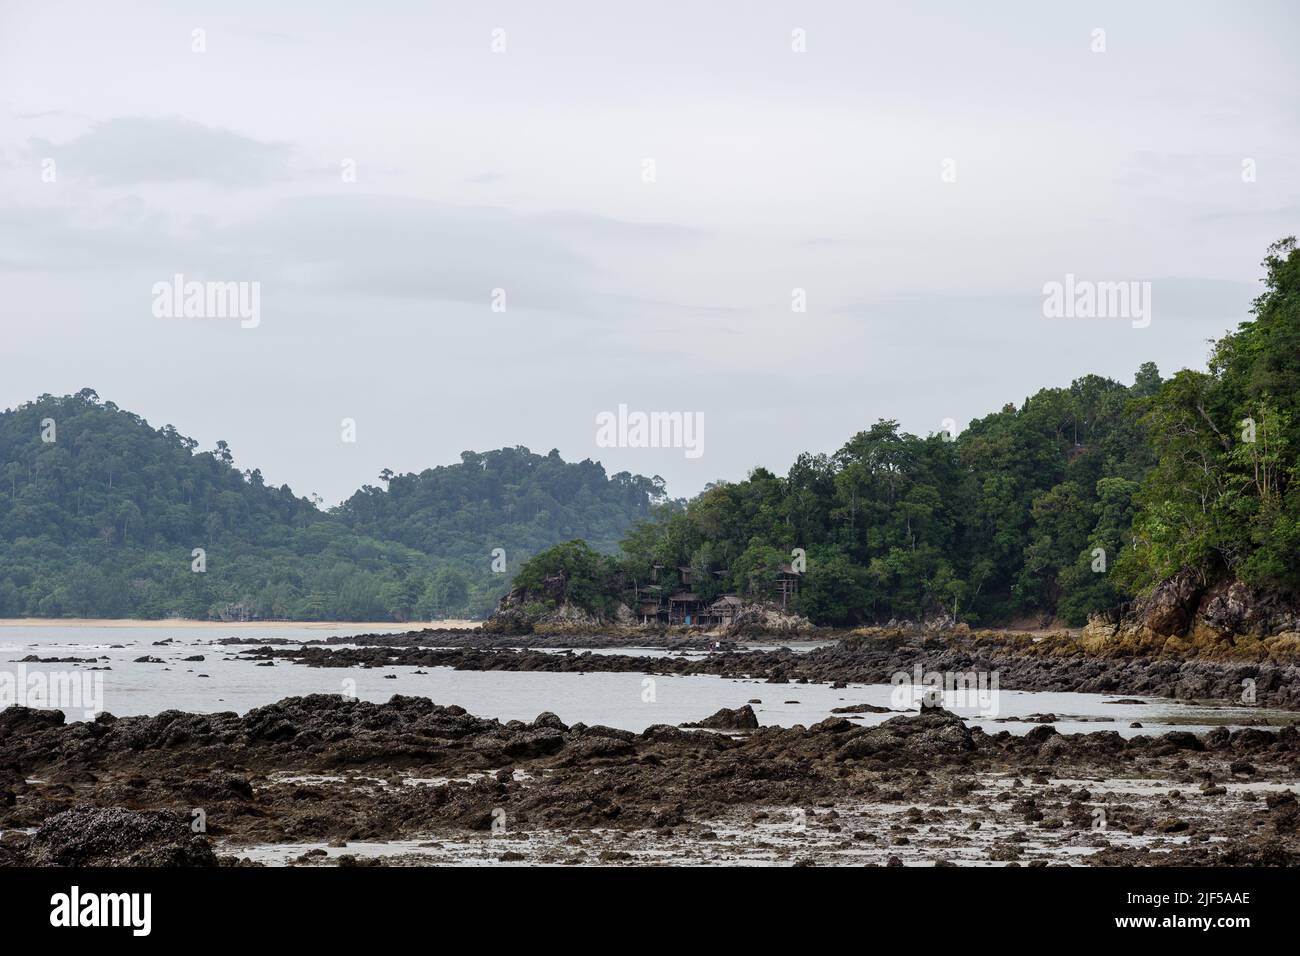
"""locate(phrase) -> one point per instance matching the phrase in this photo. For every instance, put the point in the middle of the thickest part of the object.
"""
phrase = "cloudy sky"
(920, 170)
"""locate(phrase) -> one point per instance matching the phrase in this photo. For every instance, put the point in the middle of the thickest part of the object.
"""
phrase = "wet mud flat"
(328, 780)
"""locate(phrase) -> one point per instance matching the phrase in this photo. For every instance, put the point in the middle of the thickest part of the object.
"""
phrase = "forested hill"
(509, 498)
(100, 514)
(1068, 503)
(997, 524)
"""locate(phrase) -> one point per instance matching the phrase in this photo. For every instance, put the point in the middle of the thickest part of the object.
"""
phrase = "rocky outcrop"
(569, 619)
(739, 718)
(113, 836)
(546, 611)
(1232, 607)
(1184, 617)
(330, 769)
(759, 620)
(935, 732)
(1056, 661)
(510, 617)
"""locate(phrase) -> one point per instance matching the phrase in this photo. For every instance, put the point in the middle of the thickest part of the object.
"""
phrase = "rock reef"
(332, 770)
(1057, 661)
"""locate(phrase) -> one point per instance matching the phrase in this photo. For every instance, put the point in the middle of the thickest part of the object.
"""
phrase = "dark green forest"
(102, 521)
(1073, 501)
(1070, 502)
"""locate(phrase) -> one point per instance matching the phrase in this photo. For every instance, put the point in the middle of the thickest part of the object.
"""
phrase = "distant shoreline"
(177, 622)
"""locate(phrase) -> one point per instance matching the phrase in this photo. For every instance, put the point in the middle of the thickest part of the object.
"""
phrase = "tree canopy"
(100, 515)
(1080, 498)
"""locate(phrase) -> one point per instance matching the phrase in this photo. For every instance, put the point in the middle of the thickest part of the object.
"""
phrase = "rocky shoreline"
(332, 780)
(481, 638)
(330, 773)
(1058, 661)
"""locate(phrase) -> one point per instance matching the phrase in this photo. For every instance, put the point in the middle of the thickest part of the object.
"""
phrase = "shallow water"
(223, 682)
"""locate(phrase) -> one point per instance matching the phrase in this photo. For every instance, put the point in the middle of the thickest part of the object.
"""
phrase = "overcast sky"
(524, 169)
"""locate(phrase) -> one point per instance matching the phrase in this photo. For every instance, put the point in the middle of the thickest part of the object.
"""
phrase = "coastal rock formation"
(331, 770)
(766, 620)
(113, 836)
(549, 611)
(1183, 617)
(739, 718)
(1057, 661)
(524, 611)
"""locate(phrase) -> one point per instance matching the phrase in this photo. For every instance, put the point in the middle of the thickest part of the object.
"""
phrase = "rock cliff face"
(546, 610)
(1187, 618)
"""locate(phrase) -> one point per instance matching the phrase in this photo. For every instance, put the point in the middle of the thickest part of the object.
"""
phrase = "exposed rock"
(739, 718)
(860, 709)
(1056, 661)
(328, 769)
(548, 610)
(112, 836)
(1228, 619)
(760, 619)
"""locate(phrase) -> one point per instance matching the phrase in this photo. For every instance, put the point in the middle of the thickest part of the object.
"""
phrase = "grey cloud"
(986, 315)
(1282, 220)
(603, 229)
(388, 246)
(122, 235)
(922, 328)
(137, 149)
(379, 247)
(275, 36)
(44, 114)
